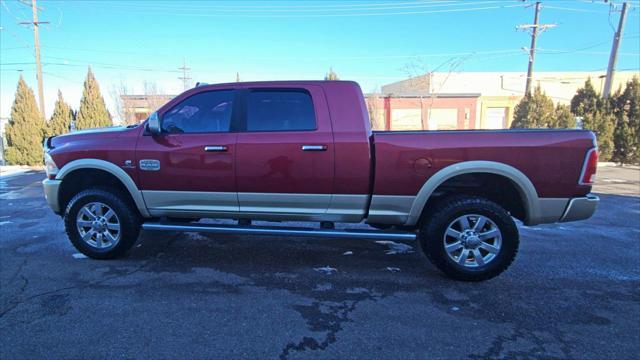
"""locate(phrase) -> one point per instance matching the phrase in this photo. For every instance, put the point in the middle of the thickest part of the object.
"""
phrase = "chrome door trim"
(314, 147)
(215, 148)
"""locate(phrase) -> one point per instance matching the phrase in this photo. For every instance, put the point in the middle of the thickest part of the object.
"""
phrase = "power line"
(574, 9)
(313, 6)
(4, 4)
(235, 15)
(93, 65)
(294, 9)
(333, 58)
(93, 50)
(98, 63)
(15, 48)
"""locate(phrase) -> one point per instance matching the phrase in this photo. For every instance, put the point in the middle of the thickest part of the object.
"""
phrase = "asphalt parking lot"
(573, 292)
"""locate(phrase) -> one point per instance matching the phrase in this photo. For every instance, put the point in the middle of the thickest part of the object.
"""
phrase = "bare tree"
(373, 107)
(418, 74)
(154, 96)
(423, 79)
(151, 99)
(125, 112)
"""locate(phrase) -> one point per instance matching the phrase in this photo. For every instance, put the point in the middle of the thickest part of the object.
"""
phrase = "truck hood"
(88, 134)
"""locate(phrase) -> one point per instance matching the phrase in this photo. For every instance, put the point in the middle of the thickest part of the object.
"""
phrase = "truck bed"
(551, 159)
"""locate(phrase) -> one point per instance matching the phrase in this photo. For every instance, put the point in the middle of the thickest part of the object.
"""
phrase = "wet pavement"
(572, 292)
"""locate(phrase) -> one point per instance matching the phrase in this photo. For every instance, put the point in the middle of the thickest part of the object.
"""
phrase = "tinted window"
(280, 110)
(204, 112)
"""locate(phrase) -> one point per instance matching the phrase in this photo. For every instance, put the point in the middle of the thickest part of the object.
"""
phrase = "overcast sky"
(371, 42)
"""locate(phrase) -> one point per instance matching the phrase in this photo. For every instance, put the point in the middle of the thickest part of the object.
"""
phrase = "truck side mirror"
(154, 124)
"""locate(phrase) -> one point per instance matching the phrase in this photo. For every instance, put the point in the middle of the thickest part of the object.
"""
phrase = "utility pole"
(185, 79)
(532, 50)
(613, 57)
(36, 44)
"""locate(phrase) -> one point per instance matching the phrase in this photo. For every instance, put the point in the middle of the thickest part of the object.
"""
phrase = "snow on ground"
(396, 248)
(328, 270)
(12, 170)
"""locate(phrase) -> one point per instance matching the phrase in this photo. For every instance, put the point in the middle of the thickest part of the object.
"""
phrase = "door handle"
(215, 148)
(314, 147)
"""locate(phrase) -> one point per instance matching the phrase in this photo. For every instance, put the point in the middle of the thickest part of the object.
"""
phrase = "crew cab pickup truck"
(304, 151)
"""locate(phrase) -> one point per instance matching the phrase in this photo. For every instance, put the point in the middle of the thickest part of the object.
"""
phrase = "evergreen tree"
(93, 111)
(534, 111)
(602, 122)
(564, 119)
(60, 121)
(627, 133)
(586, 100)
(331, 75)
(25, 129)
(597, 115)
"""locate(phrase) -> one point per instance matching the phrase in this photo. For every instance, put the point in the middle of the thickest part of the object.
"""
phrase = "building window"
(443, 119)
(496, 118)
(406, 119)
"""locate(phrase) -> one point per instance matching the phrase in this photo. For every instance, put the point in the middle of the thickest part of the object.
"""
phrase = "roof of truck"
(278, 82)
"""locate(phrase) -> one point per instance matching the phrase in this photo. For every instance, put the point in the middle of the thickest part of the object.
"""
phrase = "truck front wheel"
(469, 238)
(101, 224)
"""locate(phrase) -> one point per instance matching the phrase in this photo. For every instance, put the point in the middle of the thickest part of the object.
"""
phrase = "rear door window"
(280, 110)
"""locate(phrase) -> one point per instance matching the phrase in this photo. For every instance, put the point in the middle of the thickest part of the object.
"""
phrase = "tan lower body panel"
(259, 206)
(285, 203)
(196, 201)
(390, 209)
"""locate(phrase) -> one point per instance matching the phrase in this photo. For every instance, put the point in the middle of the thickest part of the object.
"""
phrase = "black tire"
(126, 213)
(436, 223)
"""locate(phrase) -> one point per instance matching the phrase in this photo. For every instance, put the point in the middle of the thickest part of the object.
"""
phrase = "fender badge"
(149, 165)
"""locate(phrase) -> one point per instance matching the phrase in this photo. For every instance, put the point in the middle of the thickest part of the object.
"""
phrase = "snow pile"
(396, 248)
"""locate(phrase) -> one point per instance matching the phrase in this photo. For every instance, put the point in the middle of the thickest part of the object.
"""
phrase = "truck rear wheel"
(100, 224)
(469, 238)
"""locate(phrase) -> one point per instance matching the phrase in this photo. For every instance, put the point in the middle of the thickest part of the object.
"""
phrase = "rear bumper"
(552, 210)
(51, 193)
(580, 208)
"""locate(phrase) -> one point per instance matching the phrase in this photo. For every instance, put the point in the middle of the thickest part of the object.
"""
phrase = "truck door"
(188, 170)
(285, 155)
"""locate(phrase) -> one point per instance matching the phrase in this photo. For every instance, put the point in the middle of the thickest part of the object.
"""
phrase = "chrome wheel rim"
(98, 225)
(472, 240)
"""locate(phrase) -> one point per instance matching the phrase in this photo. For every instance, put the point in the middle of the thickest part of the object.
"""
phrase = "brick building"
(423, 112)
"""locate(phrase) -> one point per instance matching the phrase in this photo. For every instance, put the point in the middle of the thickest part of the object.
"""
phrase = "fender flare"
(525, 187)
(114, 170)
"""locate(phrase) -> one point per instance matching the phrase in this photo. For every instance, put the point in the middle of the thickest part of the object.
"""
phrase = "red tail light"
(588, 175)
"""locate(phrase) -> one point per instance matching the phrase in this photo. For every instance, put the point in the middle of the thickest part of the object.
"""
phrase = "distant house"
(495, 96)
(423, 111)
(138, 107)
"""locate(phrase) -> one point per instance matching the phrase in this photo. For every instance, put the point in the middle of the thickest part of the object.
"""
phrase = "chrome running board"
(281, 231)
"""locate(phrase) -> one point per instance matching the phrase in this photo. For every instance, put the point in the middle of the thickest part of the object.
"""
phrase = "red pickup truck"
(304, 151)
